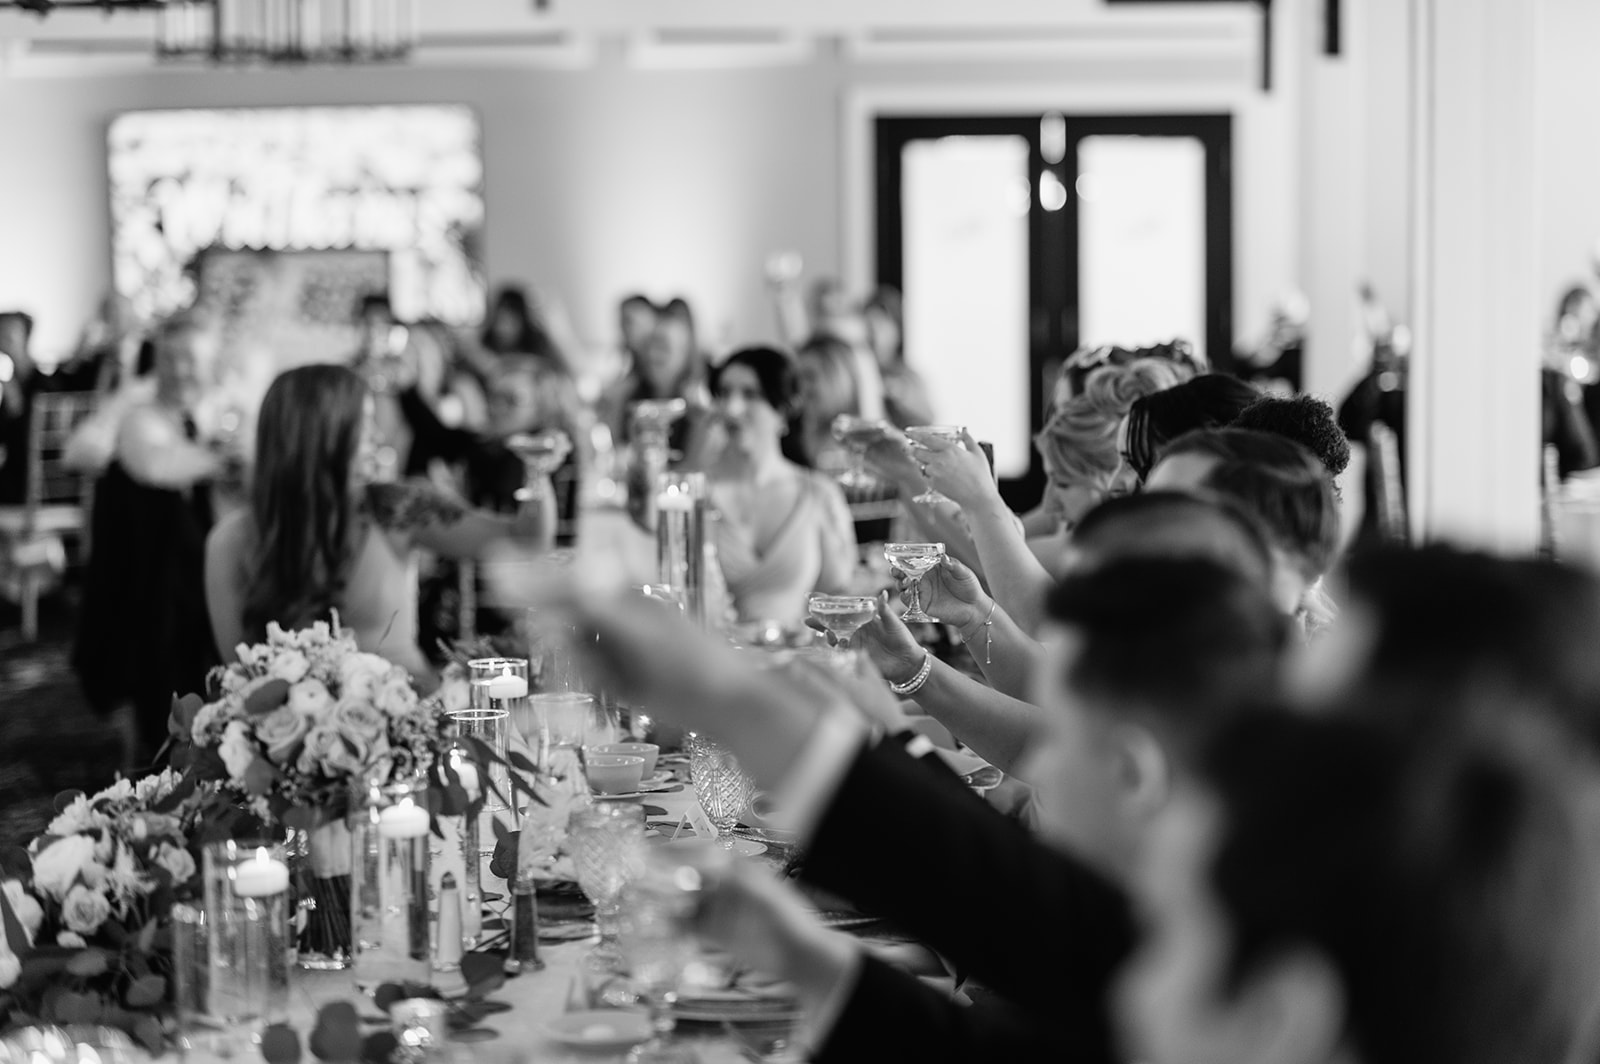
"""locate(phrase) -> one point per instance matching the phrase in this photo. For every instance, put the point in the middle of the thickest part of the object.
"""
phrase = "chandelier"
(286, 31)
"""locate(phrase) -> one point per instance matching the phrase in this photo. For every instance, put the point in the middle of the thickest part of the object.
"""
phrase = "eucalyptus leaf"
(88, 963)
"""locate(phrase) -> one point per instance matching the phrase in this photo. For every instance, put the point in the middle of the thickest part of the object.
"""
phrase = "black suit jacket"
(905, 839)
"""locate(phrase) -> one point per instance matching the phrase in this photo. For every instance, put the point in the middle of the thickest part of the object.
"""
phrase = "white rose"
(10, 969)
(290, 666)
(119, 791)
(84, 910)
(26, 908)
(177, 861)
(203, 721)
(237, 749)
(360, 675)
(75, 818)
(57, 868)
(280, 732)
(359, 720)
(70, 940)
(320, 743)
(396, 697)
(233, 681)
(310, 698)
(455, 695)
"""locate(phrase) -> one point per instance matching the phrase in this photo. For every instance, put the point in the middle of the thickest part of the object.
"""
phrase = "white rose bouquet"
(303, 718)
(84, 910)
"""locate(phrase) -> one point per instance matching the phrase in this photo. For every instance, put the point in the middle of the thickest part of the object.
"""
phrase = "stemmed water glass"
(542, 454)
(843, 615)
(916, 560)
(658, 943)
(607, 845)
(721, 785)
(951, 433)
(857, 434)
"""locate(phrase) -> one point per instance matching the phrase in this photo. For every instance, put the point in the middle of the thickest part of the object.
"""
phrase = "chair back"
(50, 482)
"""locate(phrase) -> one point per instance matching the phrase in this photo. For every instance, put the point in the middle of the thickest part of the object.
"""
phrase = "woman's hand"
(959, 470)
(950, 592)
(889, 458)
(889, 644)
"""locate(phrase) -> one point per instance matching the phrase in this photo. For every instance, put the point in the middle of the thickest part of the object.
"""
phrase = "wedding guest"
(1079, 450)
(1210, 400)
(319, 535)
(1055, 926)
(636, 320)
(1441, 912)
(1281, 484)
(905, 396)
(782, 531)
(512, 328)
(19, 383)
(1306, 420)
(143, 633)
(671, 367)
(827, 389)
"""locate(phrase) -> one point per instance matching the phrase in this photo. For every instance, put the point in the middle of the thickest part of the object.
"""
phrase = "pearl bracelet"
(913, 685)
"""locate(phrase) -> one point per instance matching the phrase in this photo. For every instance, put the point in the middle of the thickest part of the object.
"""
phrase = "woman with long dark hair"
(318, 536)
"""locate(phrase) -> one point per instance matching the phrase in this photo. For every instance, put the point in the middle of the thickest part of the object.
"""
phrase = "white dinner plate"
(615, 1029)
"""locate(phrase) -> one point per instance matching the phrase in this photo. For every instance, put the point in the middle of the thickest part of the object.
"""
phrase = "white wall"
(1569, 145)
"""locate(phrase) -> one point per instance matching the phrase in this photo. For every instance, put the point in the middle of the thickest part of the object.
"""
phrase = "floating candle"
(507, 686)
(403, 821)
(672, 499)
(261, 877)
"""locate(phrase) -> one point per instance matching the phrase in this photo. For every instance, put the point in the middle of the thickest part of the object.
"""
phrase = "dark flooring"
(50, 740)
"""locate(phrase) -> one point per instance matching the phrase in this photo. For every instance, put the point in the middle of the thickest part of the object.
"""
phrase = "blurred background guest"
(827, 389)
(782, 530)
(321, 535)
(144, 633)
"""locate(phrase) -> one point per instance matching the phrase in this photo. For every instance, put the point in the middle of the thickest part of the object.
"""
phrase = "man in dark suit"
(1141, 651)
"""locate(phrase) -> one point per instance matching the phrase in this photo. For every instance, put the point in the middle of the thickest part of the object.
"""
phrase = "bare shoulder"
(231, 540)
(411, 505)
(826, 488)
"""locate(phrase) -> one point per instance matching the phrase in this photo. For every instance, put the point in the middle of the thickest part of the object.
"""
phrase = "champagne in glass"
(918, 433)
(542, 454)
(857, 434)
(916, 560)
(843, 615)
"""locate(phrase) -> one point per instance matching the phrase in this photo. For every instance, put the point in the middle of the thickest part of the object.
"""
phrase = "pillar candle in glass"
(498, 691)
(247, 933)
(389, 890)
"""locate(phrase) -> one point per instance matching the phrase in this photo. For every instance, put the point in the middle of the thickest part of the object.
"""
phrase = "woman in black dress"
(144, 634)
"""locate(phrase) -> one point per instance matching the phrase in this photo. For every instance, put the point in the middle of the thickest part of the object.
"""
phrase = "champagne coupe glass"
(843, 615)
(857, 434)
(657, 943)
(542, 454)
(951, 433)
(721, 786)
(916, 560)
(607, 844)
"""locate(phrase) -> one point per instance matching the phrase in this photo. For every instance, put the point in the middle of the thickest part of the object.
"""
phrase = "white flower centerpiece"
(84, 910)
(298, 729)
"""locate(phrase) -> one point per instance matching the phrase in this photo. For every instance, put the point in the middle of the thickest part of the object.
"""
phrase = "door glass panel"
(964, 203)
(1141, 240)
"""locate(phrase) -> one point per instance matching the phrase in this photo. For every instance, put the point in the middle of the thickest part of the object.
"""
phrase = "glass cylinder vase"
(319, 860)
(247, 932)
(389, 885)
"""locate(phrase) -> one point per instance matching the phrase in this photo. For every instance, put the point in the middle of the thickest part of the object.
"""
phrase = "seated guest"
(1079, 449)
(1151, 525)
(1306, 420)
(782, 531)
(671, 367)
(1280, 483)
(827, 389)
(320, 536)
(1054, 928)
(512, 328)
(143, 633)
(1210, 400)
(1441, 911)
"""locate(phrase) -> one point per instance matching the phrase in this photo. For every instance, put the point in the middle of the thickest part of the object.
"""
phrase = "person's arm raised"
(153, 452)
(421, 514)
(996, 726)
(1014, 576)
(1005, 653)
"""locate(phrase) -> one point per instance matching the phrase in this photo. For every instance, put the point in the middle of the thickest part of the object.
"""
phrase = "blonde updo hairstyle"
(1079, 442)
